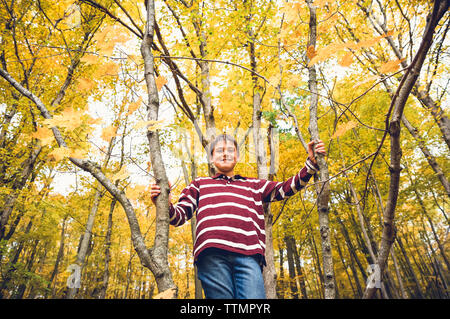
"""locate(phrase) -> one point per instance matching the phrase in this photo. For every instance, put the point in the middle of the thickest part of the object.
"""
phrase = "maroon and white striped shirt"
(230, 213)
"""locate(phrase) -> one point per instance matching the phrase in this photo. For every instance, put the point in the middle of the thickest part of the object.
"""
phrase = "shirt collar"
(237, 176)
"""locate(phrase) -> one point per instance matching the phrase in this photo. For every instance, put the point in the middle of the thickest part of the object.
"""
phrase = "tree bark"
(58, 258)
(324, 187)
(19, 183)
(164, 279)
(291, 266)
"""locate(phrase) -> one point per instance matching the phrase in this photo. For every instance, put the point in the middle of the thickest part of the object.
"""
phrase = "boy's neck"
(229, 174)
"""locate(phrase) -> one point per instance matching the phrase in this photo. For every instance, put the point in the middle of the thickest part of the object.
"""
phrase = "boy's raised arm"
(275, 191)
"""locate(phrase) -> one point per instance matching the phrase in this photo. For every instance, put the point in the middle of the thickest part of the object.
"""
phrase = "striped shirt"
(230, 212)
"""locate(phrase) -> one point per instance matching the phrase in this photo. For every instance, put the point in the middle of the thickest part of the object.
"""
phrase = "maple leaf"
(59, 153)
(109, 132)
(78, 153)
(326, 52)
(343, 128)
(347, 60)
(89, 58)
(391, 66)
(68, 119)
(160, 82)
(121, 174)
(134, 106)
(44, 134)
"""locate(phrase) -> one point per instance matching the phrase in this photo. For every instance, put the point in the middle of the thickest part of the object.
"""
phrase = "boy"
(230, 238)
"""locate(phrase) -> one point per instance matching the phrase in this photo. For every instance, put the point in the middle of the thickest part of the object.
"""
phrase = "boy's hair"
(223, 138)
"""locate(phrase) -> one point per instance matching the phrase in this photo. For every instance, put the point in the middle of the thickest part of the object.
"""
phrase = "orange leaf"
(311, 52)
(59, 153)
(390, 66)
(43, 134)
(341, 129)
(134, 106)
(347, 60)
(160, 82)
(109, 132)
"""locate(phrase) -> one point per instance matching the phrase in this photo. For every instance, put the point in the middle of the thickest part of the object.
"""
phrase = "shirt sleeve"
(186, 206)
(276, 191)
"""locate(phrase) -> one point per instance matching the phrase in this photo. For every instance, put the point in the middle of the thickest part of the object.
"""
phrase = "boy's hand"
(319, 148)
(155, 191)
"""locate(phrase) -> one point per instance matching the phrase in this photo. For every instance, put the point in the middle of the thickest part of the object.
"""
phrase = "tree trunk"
(358, 292)
(86, 238)
(58, 258)
(19, 183)
(281, 287)
(300, 275)
(393, 126)
(316, 262)
(324, 186)
(291, 266)
(419, 292)
(104, 287)
(159, 251)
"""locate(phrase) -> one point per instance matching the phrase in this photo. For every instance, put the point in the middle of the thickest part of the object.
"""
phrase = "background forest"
(100, 98)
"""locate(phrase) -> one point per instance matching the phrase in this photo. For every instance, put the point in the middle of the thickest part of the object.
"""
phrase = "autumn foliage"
(83, 62)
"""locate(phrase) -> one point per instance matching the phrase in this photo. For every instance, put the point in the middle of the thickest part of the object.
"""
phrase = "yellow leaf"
(369, 79)
(160, 82)
(136, 192)
(373, 41)
(59, 153)
(43, 134)
(85, 84)
(320, 3)
(151, 125)
(109, 132)
(122, 174)
(275, 80)
(109, 68)
(347, 60)
(134, 106)
(391, 66)
(91, 121)
(326, 52)
(78, 153)
(341, 129)
(68, 119)
(89, 59)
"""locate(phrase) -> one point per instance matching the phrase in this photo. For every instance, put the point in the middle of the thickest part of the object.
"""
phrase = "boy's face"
(224, 156)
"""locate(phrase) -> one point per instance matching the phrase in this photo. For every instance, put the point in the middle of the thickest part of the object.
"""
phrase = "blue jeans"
(228, 275)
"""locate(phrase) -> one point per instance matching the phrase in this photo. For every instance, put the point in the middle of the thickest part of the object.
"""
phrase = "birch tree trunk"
(86, 238)
(324, 188)
(160, 248)
(393, 126)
